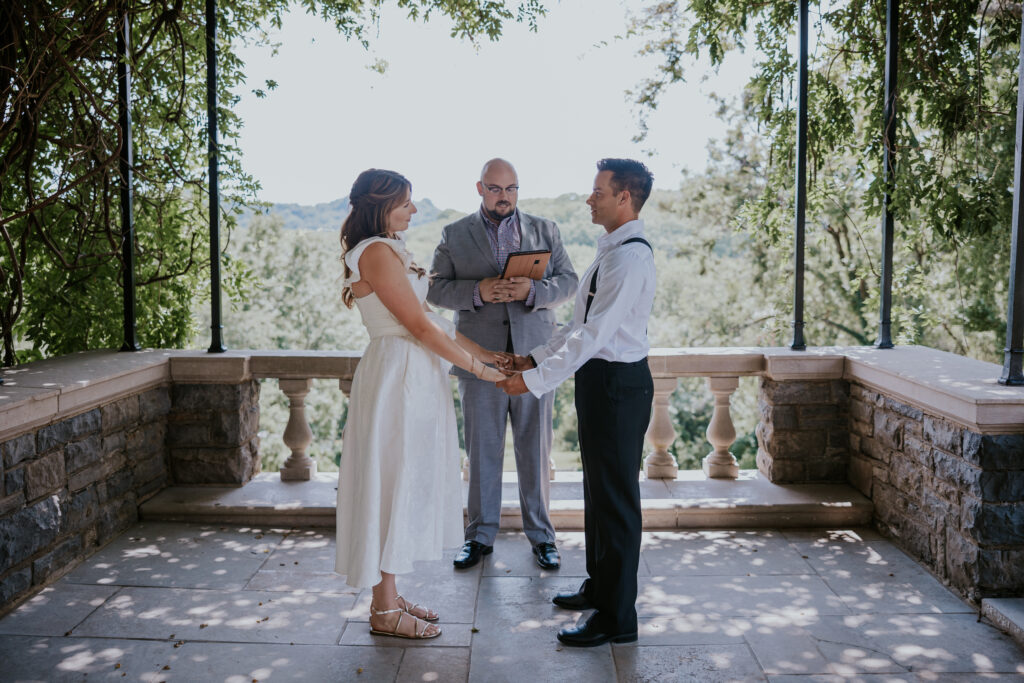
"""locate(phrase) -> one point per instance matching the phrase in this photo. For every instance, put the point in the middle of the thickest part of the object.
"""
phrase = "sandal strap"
(425, 626)
(410, 606)
(375, 611)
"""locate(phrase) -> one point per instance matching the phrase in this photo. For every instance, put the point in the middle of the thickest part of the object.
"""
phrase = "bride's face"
(400, 216)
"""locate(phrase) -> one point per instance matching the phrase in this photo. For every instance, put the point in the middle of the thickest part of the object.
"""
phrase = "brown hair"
(628, 174)
(374, 195)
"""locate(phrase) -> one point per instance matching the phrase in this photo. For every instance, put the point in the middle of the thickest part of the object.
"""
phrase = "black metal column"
(801, 189)
(124, 106)
(1013, 356)
(889, 170)
(216, 341)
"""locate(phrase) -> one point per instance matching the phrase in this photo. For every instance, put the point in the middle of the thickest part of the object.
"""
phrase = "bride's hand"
(491, 374)
(485, 372)
(491, 357)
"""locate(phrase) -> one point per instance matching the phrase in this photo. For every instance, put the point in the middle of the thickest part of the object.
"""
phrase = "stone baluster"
(465, 468)
(660, 464)
(297, 435)
(551, 468)
(720, 463)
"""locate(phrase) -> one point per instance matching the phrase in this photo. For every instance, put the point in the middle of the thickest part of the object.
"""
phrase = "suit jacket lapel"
(529, 239)
(480, 239)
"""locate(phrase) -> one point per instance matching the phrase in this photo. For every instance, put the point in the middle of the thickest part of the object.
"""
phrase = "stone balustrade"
(929, 436)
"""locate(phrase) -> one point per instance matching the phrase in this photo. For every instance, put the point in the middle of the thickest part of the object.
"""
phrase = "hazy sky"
(552, 102)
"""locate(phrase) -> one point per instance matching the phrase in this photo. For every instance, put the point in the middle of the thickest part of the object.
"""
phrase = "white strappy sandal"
(408, 607)
(418, 633)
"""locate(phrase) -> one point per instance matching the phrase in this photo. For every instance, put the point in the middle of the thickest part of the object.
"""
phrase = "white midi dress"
(399, 489)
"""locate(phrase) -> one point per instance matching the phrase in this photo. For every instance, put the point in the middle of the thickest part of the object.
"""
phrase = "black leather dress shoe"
(588, 635)
(547, 555)
(574, 601)
(470, 554)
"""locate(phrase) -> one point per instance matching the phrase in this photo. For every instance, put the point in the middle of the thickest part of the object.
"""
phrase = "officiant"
(511, 313)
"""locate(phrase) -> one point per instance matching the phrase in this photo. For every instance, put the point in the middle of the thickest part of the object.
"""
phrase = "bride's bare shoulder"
(379, 251)
(379, 259)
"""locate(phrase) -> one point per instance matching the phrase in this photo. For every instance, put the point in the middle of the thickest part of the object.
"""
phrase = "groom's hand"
(513, 386)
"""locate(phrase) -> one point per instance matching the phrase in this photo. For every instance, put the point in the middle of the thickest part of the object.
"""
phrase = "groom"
(606, 347)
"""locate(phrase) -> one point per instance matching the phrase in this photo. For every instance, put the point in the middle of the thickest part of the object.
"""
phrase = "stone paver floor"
(208, 602)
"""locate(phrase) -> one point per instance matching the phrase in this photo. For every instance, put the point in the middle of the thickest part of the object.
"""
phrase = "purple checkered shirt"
(505, 239)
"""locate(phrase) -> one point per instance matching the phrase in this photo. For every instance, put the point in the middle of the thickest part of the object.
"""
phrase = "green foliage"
(952, 195)
(61, 229)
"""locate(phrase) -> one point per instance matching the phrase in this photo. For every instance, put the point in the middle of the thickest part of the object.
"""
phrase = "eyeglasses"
(497, 189)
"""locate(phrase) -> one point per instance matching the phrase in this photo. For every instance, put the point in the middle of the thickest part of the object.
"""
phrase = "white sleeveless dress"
(399, 489)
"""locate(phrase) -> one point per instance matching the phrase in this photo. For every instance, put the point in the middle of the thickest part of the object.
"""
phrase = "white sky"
(552, 102)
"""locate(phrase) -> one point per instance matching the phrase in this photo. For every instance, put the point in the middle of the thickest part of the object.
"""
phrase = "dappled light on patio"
(171, 601)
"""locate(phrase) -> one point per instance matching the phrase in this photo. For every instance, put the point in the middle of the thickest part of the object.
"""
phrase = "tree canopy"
(952, 195)
(60, 230)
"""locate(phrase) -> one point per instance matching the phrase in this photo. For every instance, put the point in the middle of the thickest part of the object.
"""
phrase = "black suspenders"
(593, 280)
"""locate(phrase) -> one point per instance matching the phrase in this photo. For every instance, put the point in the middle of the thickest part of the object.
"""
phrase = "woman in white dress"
(399, 491)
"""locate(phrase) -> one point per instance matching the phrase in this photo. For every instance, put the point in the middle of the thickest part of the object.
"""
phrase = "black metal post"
(216, 341)
(889, 170)
(1013, 356)
(124, 106)
(801, 189)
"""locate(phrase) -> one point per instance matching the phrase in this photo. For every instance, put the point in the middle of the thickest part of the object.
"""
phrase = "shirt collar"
(621, 234)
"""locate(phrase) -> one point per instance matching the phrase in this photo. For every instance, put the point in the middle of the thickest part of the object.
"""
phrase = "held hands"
(511, 363)
(494, 290)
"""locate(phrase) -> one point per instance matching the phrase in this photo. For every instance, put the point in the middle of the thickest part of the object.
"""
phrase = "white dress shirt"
(616, 327)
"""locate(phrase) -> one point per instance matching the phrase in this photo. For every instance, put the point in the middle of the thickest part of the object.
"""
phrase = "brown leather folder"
(529, 264)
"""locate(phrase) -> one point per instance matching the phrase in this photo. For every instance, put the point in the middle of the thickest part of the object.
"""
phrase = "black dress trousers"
(613, 407)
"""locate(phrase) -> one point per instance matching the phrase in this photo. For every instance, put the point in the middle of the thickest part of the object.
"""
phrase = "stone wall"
(72, 485)
(802, 436)
(952, 497)
(212, 433)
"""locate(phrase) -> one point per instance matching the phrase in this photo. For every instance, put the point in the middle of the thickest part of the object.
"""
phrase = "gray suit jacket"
(464, 257)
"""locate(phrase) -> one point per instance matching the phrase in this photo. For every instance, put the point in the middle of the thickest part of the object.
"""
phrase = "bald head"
(499, 189)
(497, 165)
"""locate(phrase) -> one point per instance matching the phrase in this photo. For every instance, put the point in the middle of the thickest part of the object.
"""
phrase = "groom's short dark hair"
(632, 175)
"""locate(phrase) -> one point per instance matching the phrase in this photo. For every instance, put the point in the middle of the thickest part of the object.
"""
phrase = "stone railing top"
(738, 361)
(38, 393)
(962, 389)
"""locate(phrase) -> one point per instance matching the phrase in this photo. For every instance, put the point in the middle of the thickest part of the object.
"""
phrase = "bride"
(399, 492)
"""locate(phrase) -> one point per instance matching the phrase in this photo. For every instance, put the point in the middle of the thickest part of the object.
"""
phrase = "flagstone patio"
(208, 602)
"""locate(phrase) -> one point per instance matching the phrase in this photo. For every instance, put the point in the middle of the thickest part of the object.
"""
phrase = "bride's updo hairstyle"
(374, 195)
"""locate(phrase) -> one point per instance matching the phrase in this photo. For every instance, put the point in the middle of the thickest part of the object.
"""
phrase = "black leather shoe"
(588, 635)
(547, 555)
(573, 601)
(470, 554)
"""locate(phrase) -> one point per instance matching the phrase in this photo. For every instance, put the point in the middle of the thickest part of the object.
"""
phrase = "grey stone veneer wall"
(71, 486)
(75, 484)
(802, 435)
(952, 497)
(212, 433)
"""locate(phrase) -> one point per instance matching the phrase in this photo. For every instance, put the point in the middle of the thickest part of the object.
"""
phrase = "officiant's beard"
(500, 212)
